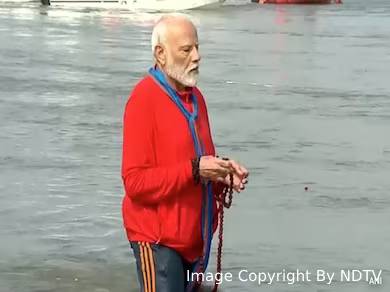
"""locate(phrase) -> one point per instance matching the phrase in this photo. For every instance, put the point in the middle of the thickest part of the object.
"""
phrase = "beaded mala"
(224, 199)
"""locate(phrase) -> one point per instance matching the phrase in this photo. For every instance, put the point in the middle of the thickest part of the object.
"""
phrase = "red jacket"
(162, 203)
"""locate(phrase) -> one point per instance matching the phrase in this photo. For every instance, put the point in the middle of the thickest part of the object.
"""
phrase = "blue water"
(298, 94)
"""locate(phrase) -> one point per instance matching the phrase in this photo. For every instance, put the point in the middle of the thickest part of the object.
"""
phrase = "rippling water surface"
(299, 94)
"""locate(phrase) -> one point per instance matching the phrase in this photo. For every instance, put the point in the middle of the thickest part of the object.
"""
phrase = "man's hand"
(219, 170)
(238, 183)
(239, 170)
(240, 176)
(214, 169)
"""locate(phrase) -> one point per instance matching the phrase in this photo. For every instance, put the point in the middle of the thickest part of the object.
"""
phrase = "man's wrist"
(195, 169)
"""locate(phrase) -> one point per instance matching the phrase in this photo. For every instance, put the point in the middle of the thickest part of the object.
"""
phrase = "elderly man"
(169, 169)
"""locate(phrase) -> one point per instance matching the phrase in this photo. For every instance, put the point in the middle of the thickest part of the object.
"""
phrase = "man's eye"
(187, 50)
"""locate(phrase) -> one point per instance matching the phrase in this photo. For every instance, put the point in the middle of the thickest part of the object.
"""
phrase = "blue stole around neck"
(207, 206)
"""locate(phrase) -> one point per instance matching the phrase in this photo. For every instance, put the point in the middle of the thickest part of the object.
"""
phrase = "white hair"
(160, 28)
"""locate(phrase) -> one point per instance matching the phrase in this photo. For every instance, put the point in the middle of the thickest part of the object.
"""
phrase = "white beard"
(178, 73)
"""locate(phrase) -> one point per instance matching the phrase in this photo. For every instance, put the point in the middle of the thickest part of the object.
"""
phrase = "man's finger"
(237, 168)
(221, 165)
(244, 171)
(225, 163)
(222, 172)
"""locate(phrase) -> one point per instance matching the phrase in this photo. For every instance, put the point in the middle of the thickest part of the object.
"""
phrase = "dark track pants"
(160, 269)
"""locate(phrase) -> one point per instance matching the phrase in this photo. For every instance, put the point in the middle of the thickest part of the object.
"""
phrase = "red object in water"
(300, 1)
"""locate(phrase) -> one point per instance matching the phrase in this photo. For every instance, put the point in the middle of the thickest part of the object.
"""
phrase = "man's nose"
(195, 54)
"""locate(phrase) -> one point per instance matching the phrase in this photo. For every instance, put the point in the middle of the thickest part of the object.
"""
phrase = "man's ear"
(160, 54)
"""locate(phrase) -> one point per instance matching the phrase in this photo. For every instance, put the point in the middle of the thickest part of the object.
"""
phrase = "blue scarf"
(207, 207)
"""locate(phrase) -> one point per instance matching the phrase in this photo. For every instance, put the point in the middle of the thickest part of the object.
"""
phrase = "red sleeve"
(143, 181)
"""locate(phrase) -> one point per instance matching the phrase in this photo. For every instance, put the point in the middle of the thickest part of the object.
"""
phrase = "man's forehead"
(182, 31)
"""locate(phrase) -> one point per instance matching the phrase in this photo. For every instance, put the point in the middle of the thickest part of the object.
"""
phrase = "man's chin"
(190, 80)
(191, 83)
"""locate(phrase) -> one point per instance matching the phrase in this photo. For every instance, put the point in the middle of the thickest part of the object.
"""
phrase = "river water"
(298, 94)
